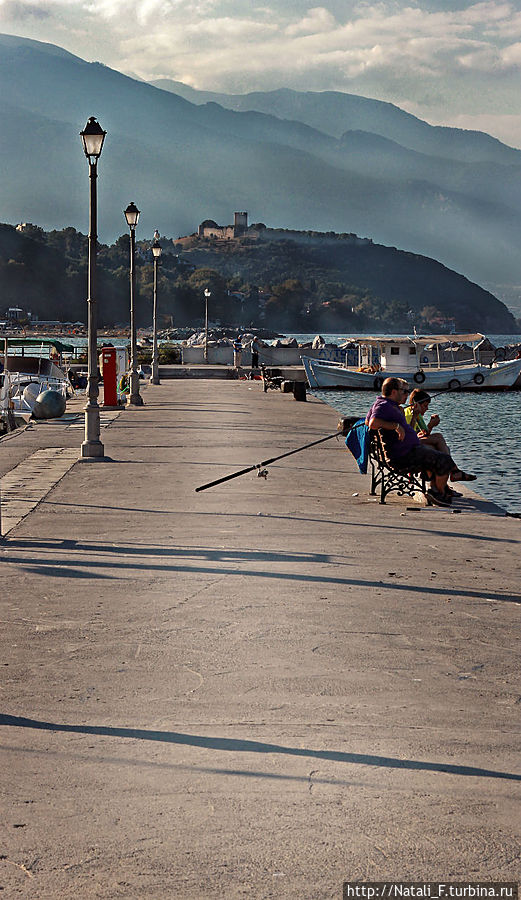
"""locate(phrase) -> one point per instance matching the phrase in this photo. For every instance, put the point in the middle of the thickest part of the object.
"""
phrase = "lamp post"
(207, 295)
(156, 252)
(92, 137)
(134, 398)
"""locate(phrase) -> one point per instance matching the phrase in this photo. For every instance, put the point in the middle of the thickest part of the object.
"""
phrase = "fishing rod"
(448, 390)
(343, 427)
(452, 390)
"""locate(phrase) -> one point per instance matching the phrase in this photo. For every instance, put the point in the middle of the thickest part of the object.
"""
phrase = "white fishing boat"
(430, 361)
(25, 376)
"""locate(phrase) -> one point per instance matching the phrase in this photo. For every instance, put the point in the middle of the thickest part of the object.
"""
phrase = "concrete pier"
(264, 689)
(291, 373)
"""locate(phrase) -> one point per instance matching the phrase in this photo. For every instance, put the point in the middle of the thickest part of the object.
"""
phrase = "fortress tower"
(240, 223)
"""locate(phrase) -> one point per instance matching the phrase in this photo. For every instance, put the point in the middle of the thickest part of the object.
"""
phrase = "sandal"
(452, 493)
(434, 498)
(462, 476)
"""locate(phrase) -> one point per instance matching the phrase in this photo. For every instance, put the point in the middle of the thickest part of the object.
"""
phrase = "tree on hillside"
(287, 303)
(311, 282)
(209, 279)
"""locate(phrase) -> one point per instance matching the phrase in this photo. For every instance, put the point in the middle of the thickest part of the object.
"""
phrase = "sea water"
(482, 430)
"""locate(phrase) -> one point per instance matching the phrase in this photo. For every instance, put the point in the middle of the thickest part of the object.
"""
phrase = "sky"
(448, 62)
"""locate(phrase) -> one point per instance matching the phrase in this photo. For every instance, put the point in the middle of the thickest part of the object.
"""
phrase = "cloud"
(433, 55)
(17, 11)
(316, 21)
(511, 55)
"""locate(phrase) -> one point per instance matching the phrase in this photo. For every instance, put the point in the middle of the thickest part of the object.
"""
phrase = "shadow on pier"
(74, 559)
(235, 745)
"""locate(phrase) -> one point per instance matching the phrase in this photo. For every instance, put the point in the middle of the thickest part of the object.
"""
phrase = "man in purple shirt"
(404, 448)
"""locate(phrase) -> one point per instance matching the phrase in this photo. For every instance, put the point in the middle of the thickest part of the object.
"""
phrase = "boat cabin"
(393, 354)
(411, 354)
(402, 355)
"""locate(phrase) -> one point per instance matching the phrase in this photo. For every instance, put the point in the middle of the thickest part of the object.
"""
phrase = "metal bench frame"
(271, 378)
(387, 479)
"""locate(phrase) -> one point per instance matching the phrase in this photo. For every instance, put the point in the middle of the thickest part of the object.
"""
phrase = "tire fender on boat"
(454, 384)
(479, 378)
(419, 377)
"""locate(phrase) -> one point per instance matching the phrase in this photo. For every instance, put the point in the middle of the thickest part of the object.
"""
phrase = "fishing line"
(446, 390)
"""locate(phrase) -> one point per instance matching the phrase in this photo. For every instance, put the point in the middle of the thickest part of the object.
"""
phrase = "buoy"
(30, 393)
(49, 405)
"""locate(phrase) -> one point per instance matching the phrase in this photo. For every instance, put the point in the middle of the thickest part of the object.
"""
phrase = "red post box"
(107, 362)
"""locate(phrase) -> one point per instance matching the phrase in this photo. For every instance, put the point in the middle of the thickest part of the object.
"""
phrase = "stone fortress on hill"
(220, 234)
(210, 229)
(240, 230)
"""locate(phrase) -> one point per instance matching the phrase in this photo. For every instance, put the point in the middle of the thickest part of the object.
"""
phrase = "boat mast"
(418, 361)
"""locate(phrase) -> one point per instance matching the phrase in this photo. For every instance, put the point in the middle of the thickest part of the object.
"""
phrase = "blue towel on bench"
(357, 441)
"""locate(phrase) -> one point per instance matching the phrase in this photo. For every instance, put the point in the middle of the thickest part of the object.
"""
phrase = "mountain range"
(321, 161)
(334, 113)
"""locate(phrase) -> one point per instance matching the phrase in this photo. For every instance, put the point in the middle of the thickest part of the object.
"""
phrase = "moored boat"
(424, 361)
(24, 377)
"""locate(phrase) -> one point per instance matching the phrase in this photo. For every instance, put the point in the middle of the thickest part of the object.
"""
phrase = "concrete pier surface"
(264, 689)
(291, 373)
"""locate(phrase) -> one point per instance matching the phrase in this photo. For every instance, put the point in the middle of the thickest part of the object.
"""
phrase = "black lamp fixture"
(93, 137)
(132, 215)
(156, 246)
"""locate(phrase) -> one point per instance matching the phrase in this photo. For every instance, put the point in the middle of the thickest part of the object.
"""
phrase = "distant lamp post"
(134, 398)
(207, 295)
(156, 252)
(92, 448)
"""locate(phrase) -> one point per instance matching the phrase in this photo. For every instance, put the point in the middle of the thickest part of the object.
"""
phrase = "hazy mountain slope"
(335, 274)
(390, 275)
(182, 163)
(334, 113)
(14, 42)
(36, 79)
(374, 155)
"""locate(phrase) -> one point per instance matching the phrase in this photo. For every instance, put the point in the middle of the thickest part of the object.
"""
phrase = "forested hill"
(339, 281)
(293, 281)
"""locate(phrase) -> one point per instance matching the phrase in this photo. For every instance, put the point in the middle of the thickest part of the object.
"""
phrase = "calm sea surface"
(482, 430)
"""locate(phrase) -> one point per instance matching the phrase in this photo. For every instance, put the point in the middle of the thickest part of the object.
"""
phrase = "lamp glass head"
(132, 215)
(92, 137)
(156, 249)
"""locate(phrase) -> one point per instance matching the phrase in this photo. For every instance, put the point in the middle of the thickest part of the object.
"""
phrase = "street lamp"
(207, 295)
(92, 137)
(156, 252)
(134, 398)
